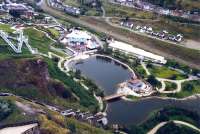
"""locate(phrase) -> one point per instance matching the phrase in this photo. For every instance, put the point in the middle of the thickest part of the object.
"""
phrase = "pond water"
(107, 75)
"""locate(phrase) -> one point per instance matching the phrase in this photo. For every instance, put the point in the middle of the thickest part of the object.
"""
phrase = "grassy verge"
(176, 129)
(38, 40)
(170, 86)
(86, 97)
(164, 72)
(6, 28)
(14, 114)
(188, 88)
(165, 114)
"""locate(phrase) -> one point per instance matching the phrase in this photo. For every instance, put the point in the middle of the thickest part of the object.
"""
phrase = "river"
(107, 74)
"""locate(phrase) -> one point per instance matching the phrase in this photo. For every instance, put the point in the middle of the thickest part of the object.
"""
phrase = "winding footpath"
(163, 80)
(160, 125)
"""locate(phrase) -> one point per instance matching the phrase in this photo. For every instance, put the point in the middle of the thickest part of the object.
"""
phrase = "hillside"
(177, 4)
(30, 78)
(51, 122)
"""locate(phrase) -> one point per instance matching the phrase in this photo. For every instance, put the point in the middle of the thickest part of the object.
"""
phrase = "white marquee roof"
(137, 51)
(79, 34)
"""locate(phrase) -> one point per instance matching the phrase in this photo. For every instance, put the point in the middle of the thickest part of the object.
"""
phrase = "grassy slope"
(38, 40)
(172, 128)
(182, 4)
(51, 122)
(188, 92)
(6, 28)
(170, 86)
(164, 72)
(86, 98)
(179, 53)
(167, 114)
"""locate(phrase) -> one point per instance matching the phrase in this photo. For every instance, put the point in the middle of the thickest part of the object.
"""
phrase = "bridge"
(114, 96)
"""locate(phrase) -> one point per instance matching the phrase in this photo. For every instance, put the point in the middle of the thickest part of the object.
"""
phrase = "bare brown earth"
(181, 54)
(30, 78)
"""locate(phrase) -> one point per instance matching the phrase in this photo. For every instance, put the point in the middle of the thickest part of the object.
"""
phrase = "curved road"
(101, 26)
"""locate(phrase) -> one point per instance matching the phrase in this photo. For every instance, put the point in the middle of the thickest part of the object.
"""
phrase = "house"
(128, 24)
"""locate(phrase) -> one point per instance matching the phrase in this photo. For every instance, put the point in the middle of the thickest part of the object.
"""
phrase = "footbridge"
(21, 40)
(114, 96)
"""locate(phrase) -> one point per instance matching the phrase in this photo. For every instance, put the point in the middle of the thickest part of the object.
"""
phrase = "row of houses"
(66, 8)
(97, 119)
(139, 4)
(163, 34)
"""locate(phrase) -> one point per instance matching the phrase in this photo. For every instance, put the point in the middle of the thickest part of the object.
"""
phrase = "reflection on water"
(107, 74)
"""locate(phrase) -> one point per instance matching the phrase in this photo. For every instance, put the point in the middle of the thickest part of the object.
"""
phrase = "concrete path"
(162, 80)
(160, 125)
(112, 31)
(17, 130)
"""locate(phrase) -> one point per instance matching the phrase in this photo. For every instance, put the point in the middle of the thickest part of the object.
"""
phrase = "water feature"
(107, 74)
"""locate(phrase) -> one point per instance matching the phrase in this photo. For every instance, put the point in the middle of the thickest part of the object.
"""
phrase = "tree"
(72, 128)
(173, 77)
(188, 87)
(78, 74)
(153, 81)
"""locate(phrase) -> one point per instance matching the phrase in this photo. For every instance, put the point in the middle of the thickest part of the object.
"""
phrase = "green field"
(54, 32)
(122, 11)
(165, 114)
(6, 28)
(13, 115)
(164, 72)
(188, 88)
(180, 4)
(170, 86)
(74, 3)
(173, 128)
(38, 40)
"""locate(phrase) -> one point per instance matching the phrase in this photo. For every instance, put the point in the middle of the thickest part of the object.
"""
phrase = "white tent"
(137, 52)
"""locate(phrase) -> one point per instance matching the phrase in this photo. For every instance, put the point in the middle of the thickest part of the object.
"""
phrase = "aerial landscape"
(99, 66)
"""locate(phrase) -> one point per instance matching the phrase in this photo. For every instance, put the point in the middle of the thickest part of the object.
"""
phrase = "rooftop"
(137, 51)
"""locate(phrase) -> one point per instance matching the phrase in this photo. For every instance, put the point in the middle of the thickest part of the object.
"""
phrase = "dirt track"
(183, 55)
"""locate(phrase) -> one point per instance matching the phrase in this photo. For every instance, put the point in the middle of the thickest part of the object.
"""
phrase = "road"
(194, 44)
(101, 26)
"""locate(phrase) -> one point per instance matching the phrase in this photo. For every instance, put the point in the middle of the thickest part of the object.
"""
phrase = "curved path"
(160, 125)
(162, 80)
(114, 32)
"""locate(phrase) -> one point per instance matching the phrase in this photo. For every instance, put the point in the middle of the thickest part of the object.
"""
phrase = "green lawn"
(6, 28)
(164, 72)
(38, 40)
(86, 97)
(15, 116)
(188, 88)
(74, 3)
(173, 128)
(165, 114)
(123, 11)
(54, 32)
(170, 86)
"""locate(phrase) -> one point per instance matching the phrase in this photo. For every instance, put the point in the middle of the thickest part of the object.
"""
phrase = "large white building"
(137, 52)
(80, 38)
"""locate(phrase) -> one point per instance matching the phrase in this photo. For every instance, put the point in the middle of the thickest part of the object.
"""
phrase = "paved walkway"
(162, 80)
(160, 125)
(18, 129)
